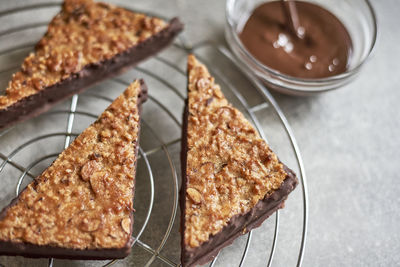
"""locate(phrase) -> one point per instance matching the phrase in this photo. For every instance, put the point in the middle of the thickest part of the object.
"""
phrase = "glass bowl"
(358, 17)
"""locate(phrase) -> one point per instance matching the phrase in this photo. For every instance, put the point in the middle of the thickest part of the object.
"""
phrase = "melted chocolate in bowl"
(323, 50)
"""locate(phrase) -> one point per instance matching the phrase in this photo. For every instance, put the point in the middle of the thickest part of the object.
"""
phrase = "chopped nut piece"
(98, 183)
(202, 84)
(194, 195)
(218, 93)
(105, 134)
(126, 225)
(90, 225)
(37, 83)
(193, 242)
(88, 169)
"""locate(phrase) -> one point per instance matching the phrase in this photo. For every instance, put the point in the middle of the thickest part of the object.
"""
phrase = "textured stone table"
(350, 142)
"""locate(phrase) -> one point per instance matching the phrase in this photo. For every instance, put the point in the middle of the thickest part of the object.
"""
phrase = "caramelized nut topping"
(194, 195)
(37, 83)
(83, 33)
(88, 169)
(88, 222)
(218, 93)
(81, 203)
(229, 167)
(98, 183)
(126, 225)
(105, 134)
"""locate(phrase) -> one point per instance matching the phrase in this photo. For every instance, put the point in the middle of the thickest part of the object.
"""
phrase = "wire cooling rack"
(28, 148)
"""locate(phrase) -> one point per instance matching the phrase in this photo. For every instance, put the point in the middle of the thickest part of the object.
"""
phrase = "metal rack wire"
(165, 146)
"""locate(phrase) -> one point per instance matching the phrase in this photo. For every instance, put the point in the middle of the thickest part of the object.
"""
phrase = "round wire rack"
(28, 148)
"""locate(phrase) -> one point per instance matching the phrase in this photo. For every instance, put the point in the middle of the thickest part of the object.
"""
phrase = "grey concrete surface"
(349, 139)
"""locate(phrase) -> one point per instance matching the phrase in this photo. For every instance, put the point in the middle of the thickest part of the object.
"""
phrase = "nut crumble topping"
(229, 167)
(83, 33)
(85, 198)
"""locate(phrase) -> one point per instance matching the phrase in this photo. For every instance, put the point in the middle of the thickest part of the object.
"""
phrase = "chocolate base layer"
(10, 248)
(40, 102)
(239, 224)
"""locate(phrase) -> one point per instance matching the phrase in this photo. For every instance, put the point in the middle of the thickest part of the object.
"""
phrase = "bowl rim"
(285, 77)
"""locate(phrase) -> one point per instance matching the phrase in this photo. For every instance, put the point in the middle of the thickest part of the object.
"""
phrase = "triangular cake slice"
(84, 44)
(81, 207)
(232, 181)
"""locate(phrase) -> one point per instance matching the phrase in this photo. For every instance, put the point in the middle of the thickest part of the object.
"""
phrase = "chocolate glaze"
(36, 251)
(323, 50)
(238, 224)
(43, 100)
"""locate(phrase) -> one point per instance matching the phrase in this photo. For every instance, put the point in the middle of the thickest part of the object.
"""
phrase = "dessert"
(84, 44)
(81, 207)
(232, 181)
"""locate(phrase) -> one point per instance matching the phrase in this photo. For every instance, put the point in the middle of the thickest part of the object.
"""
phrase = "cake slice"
(232, 181)
(81, 207)
(85, 43)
